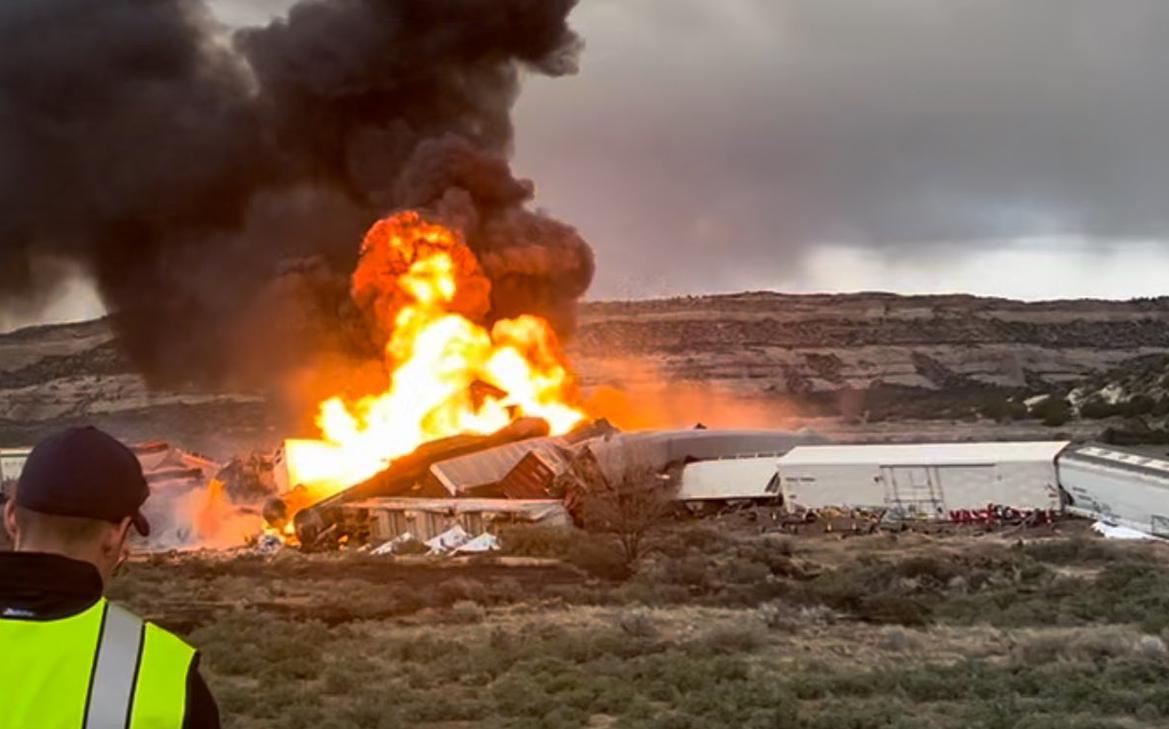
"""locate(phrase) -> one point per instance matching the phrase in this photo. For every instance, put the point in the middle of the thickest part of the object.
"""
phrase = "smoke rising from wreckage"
(215, 191)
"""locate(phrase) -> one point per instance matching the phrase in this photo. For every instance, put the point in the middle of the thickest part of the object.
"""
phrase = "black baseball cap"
(86, 473)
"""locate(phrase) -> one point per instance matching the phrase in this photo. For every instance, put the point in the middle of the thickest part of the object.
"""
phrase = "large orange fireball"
(425, 289)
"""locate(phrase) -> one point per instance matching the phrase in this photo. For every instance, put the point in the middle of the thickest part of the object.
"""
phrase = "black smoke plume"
(217, 187)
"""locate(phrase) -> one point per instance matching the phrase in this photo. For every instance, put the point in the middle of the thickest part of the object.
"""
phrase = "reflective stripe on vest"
(103, 668)
(115, 670)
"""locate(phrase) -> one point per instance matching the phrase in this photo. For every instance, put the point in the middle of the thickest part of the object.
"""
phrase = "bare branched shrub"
(630, 508)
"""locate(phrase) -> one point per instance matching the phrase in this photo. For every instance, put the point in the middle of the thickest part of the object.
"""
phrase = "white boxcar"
(729, 479)
(11, 464)
(1116, 486)
(928, 480)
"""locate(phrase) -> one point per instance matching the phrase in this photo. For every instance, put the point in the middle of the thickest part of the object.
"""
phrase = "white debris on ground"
(1034, 400)
(453, 541)
(1110, 531)
(449, 540)
(393, 546)
(269, 544)
(485, 542)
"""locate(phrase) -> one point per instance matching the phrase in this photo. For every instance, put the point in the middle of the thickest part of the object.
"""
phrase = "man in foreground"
(68, 657)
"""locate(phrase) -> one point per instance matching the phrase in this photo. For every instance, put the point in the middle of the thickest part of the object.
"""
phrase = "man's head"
(78, 495)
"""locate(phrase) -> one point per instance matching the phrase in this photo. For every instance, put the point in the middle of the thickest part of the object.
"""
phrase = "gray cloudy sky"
(992, 146)
(914, 145)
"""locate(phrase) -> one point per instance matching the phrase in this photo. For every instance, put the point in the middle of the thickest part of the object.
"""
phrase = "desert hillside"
(766, 342)
(870, 357)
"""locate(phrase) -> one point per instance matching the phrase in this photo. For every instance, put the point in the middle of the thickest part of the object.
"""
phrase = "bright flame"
(423, 286)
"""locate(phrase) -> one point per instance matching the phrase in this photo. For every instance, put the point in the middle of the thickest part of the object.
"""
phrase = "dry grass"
(716, 629)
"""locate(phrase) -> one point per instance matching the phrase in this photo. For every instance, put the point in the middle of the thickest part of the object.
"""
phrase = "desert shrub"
(460, 589)
(893, 609)
(1002, 409)
(783, 546)
(897, 641)
(1097, 408)
(233, 698)
(1091, 647)
(1125, 593)
(879, 592)
(1056, 721)
(600, 559)
(934, 570)
(413, 547)
(595, 554)
(648, 591)
(573, 594)
(539, 541)
(732, 639)
(1137, 405)
(407, 601)
(778, 616)
(1151, 647)
(507, 590)
(422, 649)
(699, 538)
(340, 681)
(881, 714)
(638, 623)
(1053, 411)
(467, 611)
(1076, 550)
(249, 643)
(747, 572)
(693, 571)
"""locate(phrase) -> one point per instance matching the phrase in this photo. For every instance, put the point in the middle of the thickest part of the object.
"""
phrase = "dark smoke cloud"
(217, 191)
(535, 262)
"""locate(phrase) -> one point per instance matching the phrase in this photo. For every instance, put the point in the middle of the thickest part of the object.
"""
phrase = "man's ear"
(10, 518)
(116, 539)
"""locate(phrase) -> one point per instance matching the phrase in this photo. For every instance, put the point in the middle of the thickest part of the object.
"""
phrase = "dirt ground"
(722, 624)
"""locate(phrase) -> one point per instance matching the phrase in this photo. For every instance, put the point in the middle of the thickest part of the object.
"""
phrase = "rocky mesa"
(873, 356)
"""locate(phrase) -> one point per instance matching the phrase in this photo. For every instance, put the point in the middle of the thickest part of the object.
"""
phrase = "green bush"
(693, 571)
(599, 558)
(748, 572)
(540, 541)
(1053, 411)
(1096, 408)
(732, 639)
(1002, 409)
(460, 589)
(638, 623)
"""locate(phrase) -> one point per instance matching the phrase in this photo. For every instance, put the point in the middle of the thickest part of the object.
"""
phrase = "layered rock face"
(757, 346)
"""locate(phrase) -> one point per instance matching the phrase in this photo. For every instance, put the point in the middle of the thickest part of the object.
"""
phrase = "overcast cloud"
(713, 146)
(992, 146)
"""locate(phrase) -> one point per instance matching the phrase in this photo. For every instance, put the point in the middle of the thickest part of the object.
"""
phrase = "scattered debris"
(396, 545)
(485, 542)
(449, 540)
(379, 520)
(269, 544)
(1112, 531)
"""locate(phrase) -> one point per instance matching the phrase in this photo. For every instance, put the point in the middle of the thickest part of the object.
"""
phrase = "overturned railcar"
(931, 481)
(1119, 486)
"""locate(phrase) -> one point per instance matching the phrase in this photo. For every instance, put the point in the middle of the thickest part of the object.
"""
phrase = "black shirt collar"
(41, 586)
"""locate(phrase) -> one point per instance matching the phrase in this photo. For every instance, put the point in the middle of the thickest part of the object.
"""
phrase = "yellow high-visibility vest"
(103, 668)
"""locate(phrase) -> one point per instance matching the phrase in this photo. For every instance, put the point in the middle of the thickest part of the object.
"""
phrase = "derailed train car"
(1118, 486)
(931, 481)
(920, 481)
